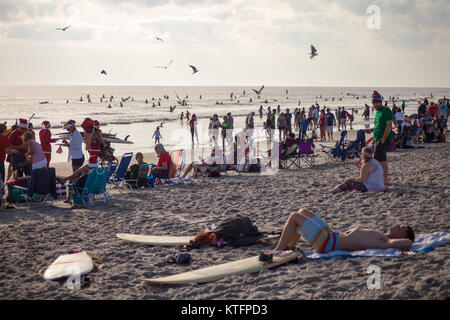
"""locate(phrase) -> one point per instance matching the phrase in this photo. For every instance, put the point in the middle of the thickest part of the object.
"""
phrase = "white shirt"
(75, 147)
(399, 116)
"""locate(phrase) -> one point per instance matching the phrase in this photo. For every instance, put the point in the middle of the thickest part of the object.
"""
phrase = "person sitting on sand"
(203, 166)
(371, 175)
(324, 240)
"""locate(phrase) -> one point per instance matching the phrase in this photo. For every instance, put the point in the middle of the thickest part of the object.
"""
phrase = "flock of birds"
(312, 54)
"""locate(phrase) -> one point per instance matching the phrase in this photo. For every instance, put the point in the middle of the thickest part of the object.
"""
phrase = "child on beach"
(157, 135)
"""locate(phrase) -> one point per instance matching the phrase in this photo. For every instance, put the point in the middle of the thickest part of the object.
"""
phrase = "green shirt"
(226, 125)
(382, 116)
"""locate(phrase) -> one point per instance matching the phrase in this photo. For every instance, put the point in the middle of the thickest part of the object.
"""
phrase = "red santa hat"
(45, 124)
(96, 124)
(23, 123)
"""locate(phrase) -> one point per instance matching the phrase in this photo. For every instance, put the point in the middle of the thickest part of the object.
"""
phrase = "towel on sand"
(423, 243)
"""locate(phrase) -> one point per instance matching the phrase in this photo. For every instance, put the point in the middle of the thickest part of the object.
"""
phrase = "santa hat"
(45, 124)
(376, 97)
(23, 123)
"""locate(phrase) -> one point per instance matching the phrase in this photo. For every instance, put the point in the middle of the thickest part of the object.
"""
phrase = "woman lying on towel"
(324, 240)
(371, 175)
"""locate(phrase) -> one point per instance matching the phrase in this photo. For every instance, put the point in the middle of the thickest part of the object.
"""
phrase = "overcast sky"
(232, 42)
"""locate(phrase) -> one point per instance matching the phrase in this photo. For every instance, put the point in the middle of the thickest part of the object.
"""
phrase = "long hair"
(161, 148)
(367, 154)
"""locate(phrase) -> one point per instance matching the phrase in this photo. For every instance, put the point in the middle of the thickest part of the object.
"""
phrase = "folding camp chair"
(176, 167)
(289, 158)
(337, 153)
(306, 152)
(94, 187)
(40, 189)
(118, 177)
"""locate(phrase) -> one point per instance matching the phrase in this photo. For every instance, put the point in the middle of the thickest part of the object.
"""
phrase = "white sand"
(32, 240)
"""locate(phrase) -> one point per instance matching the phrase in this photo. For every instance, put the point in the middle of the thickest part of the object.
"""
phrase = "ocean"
(138, 119)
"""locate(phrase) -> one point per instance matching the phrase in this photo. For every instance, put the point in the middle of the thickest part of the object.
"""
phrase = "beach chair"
(94, 188)
(306, 153)
(40, 189)
(144, 178)
(176, 167)
(290, 157)
(118, 178)
(354, 149)
(336, 153)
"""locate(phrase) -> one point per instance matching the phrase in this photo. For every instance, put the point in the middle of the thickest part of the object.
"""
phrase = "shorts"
(380, 151)
(343, 120)
(161, 174)
(330, 129)
(78, 162)
(322, 240)
(39, 165)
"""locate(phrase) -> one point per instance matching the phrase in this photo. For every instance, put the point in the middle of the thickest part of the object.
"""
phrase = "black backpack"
(238, 231)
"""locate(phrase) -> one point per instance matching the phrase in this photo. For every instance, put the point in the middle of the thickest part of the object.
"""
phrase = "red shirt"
(432, 109)
(165, 158)
(4, 143)
(15, 139)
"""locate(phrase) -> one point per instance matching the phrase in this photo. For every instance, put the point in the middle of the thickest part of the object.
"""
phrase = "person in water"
(305, 223)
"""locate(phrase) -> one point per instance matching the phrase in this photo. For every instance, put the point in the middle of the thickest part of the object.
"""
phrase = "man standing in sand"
(383, 134)
(324, 240)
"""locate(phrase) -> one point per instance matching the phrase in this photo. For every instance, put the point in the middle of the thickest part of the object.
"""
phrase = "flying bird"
(63, 29)
(258, 92)
(313, 52)
(159, 39)
(103, 72)
(194, 69)
(165, 66)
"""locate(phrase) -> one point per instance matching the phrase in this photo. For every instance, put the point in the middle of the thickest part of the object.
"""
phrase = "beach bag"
(238, 231)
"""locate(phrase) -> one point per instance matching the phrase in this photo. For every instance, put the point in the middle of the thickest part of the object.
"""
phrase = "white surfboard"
(220, 271)
(76, 264)
(167, 241)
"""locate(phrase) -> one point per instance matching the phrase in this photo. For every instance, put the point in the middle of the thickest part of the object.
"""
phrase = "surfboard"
(220, 271)
(168, 241)
(106, 137)
(76, 264)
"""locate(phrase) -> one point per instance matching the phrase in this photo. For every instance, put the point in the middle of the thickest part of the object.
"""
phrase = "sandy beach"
(30, 240)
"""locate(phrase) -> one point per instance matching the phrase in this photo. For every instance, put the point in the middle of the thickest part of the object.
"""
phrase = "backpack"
(238, 231)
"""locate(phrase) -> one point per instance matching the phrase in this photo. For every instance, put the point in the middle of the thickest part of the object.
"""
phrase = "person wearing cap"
(95, 144)
(75, 145)
(383, 135)
(45, 136)
(18, 160)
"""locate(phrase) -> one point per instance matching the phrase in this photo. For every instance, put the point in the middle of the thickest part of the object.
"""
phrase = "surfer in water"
(323, 239)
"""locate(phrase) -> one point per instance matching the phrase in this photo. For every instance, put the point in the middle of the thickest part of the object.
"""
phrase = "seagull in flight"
(103, 72)
(194, 69)
(63, 29)
(258, 92)
(313, 52)
(165, 66)
(159, 39)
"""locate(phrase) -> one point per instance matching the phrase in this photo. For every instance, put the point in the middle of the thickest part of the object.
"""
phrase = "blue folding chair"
(118, 177)
(94, 187)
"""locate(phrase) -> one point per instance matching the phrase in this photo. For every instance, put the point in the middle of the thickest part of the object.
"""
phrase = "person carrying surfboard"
(305, 223)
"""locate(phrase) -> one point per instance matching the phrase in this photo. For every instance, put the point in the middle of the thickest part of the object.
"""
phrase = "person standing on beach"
(383, 135)
(45, 136)
(157, 135)
(193, 125)
(4, 150)
(288, 117)
(331, 121)
(443, 108)
(282, 126)
(338, 118)
(261, 112)
(323, 126)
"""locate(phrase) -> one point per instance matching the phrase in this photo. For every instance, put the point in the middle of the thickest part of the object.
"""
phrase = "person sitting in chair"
(324, 240)
(371, 175)
(161, 171)
(290, 146)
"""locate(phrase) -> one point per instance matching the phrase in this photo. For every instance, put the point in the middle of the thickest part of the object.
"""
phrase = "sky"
(383, 43)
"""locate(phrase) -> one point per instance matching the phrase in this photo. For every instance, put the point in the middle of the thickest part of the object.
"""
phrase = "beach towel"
(423, 243)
